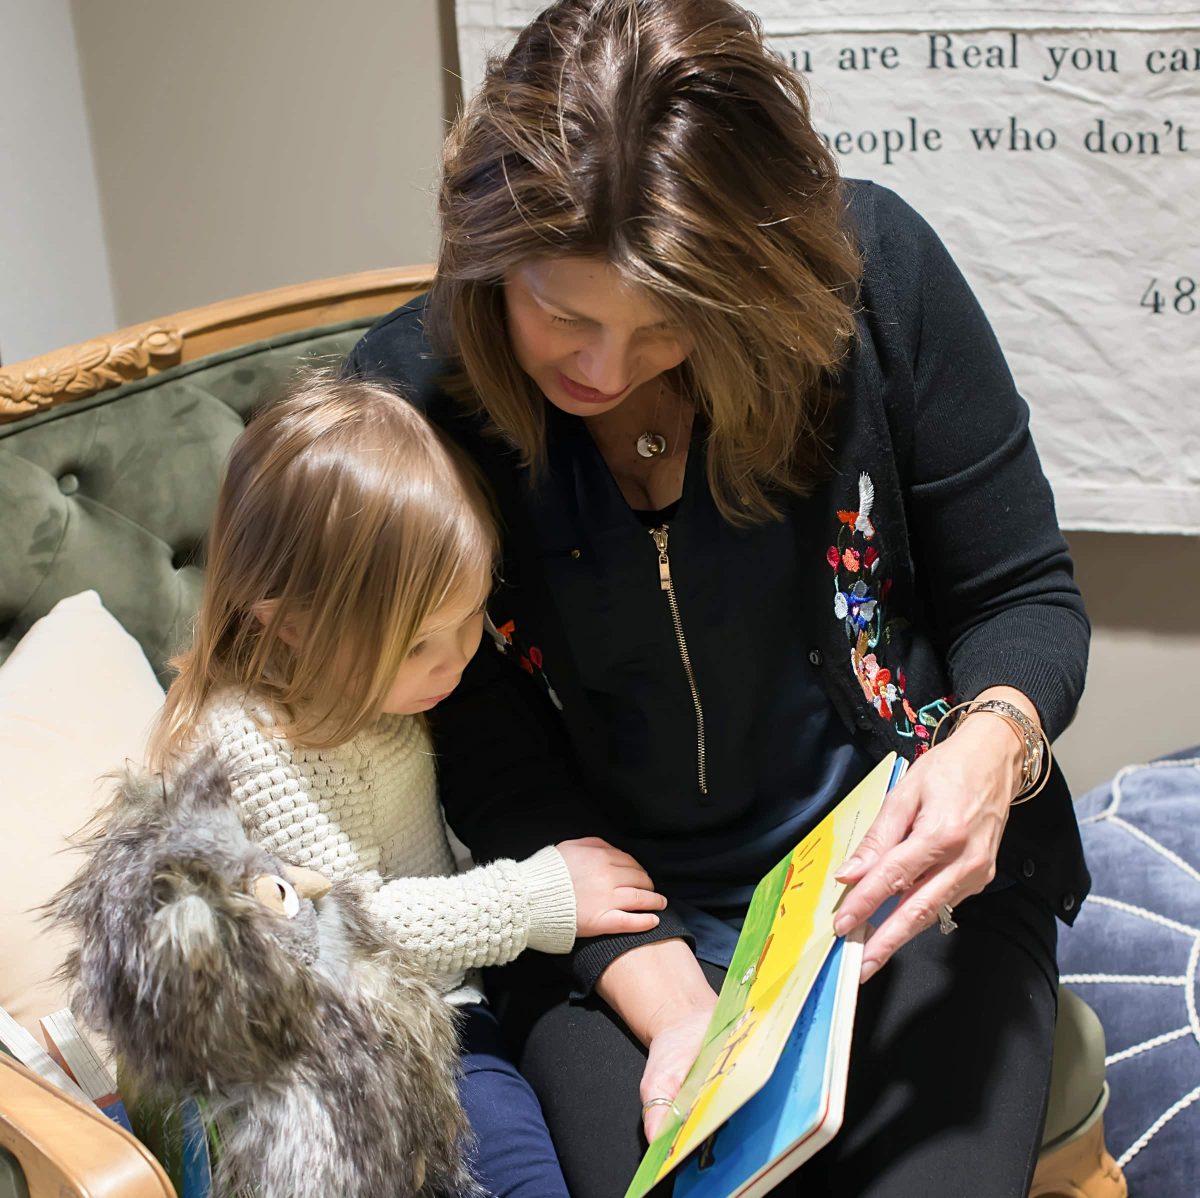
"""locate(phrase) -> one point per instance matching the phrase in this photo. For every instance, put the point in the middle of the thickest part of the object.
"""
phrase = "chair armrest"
(68, 1150)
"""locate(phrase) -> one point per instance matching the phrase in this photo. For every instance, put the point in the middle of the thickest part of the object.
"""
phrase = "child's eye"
(564, 320)
(417, 649)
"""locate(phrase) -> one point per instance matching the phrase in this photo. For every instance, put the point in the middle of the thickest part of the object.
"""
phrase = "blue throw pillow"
(1132, 956)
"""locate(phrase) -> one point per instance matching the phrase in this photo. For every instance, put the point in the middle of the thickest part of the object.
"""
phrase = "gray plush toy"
(215, 969)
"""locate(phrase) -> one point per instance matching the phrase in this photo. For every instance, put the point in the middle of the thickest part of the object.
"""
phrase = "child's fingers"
(621, 860)
(634, 879)
(634, 898)
(613, 923)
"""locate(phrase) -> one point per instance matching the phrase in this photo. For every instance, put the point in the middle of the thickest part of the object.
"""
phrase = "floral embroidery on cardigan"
(528, 657)
(860, 590)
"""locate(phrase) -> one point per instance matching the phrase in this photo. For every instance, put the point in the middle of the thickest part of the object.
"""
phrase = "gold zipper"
(664, 577)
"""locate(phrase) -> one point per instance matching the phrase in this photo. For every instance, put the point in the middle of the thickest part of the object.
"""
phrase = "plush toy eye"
(287, 893)
(278, 894)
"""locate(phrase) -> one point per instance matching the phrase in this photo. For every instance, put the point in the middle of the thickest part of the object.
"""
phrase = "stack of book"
(68, 1060)
(175, 1133)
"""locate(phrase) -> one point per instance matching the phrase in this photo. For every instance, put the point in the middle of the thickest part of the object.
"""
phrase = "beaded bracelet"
(1035, 771)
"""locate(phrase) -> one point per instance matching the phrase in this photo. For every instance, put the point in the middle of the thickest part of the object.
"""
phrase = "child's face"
(443, 646)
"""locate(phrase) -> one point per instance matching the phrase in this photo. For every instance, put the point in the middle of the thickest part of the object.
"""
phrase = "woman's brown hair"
(662, 136)
(343, 522)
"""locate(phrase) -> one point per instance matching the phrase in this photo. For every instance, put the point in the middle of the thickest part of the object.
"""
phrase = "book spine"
(115, 1110)
(31, 1054)
(74, 1052)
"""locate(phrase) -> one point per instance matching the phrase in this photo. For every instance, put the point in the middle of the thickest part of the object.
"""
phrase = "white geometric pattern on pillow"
(1133, 956)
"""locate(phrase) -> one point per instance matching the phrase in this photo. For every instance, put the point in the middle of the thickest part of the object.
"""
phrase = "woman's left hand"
(671, 1053)
(935, 840)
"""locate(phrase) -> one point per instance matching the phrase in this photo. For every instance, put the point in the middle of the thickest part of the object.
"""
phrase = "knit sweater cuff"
(551, 901)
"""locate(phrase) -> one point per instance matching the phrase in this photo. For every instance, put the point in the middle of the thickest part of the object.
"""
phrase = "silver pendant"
(651, 445)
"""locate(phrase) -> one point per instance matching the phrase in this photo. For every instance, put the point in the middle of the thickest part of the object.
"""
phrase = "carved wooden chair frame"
(82, 370)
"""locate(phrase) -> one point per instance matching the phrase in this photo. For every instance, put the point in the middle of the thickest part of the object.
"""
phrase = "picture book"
(74, 1052)
(768, 1086)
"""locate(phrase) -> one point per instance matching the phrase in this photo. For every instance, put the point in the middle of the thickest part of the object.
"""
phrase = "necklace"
(652, 444)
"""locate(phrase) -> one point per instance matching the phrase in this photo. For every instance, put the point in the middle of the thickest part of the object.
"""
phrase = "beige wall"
(242, 145)
(245, 144)
(1143, 689)
(54, 280)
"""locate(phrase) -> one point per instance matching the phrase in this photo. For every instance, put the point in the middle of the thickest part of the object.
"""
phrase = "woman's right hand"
(613, 893)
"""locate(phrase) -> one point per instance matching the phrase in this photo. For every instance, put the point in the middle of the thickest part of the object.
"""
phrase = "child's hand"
(613, 893)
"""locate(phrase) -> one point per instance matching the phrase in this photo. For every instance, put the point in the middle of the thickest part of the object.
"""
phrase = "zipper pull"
(664, 563)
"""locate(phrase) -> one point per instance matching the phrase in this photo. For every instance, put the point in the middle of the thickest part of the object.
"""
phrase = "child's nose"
(455, 660)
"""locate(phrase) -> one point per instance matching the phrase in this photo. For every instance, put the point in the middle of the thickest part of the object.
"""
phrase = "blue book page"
(197, 1165)
(787, 1109)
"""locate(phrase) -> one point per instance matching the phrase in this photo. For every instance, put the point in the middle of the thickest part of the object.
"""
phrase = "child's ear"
(289, 631)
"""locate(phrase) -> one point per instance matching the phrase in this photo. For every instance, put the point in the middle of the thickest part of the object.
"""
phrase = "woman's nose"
(605, 365)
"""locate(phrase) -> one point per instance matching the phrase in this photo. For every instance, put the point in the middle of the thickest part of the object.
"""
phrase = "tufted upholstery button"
(1028, 868)
(1068, 902)
(815, 657)
(68, 484)
(183, 557)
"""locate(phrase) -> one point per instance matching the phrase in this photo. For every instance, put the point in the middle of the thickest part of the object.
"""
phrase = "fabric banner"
(1057, 153)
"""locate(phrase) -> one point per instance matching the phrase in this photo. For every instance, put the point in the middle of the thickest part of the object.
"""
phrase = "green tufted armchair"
(110, 454)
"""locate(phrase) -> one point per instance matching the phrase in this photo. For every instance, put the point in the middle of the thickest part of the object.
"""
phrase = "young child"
(348, 565)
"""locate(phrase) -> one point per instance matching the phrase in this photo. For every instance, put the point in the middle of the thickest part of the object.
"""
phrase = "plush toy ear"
(205, 784)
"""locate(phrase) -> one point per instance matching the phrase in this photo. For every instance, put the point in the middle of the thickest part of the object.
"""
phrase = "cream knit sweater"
(369, 810)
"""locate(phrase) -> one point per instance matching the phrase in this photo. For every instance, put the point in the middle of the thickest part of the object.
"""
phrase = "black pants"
(949, 1070)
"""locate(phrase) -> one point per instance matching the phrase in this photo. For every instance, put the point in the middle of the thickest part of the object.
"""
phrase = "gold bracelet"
(1035, 771)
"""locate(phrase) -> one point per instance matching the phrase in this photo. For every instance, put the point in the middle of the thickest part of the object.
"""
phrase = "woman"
(770, 507)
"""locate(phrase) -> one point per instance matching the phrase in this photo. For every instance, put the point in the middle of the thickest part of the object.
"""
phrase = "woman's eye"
(564, 320)
(417, 649)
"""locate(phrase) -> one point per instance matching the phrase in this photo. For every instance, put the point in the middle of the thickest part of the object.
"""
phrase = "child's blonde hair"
(345, 521)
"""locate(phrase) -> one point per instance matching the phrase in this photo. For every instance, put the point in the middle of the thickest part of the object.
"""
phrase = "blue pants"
(514, 1156)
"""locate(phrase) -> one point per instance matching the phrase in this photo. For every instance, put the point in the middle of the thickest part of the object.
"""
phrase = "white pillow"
(77, 697)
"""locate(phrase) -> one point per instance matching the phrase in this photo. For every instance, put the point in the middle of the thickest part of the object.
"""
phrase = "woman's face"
(586, 336)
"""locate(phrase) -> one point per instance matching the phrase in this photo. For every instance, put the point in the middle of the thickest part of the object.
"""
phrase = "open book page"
(800, 1108)
(786, 938)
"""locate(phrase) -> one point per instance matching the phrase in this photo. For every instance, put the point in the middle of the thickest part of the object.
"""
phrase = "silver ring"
(662, 1102)
(946, 924)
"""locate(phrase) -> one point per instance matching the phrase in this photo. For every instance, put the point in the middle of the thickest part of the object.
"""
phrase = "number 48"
(1184, 300)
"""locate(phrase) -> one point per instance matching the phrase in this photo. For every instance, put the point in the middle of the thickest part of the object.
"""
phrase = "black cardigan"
(935, 569)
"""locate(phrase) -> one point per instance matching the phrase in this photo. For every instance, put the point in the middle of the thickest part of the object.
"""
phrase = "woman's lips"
(578, 391)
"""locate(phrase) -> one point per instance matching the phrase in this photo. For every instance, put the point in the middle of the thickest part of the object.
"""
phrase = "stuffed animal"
(327, 1064)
